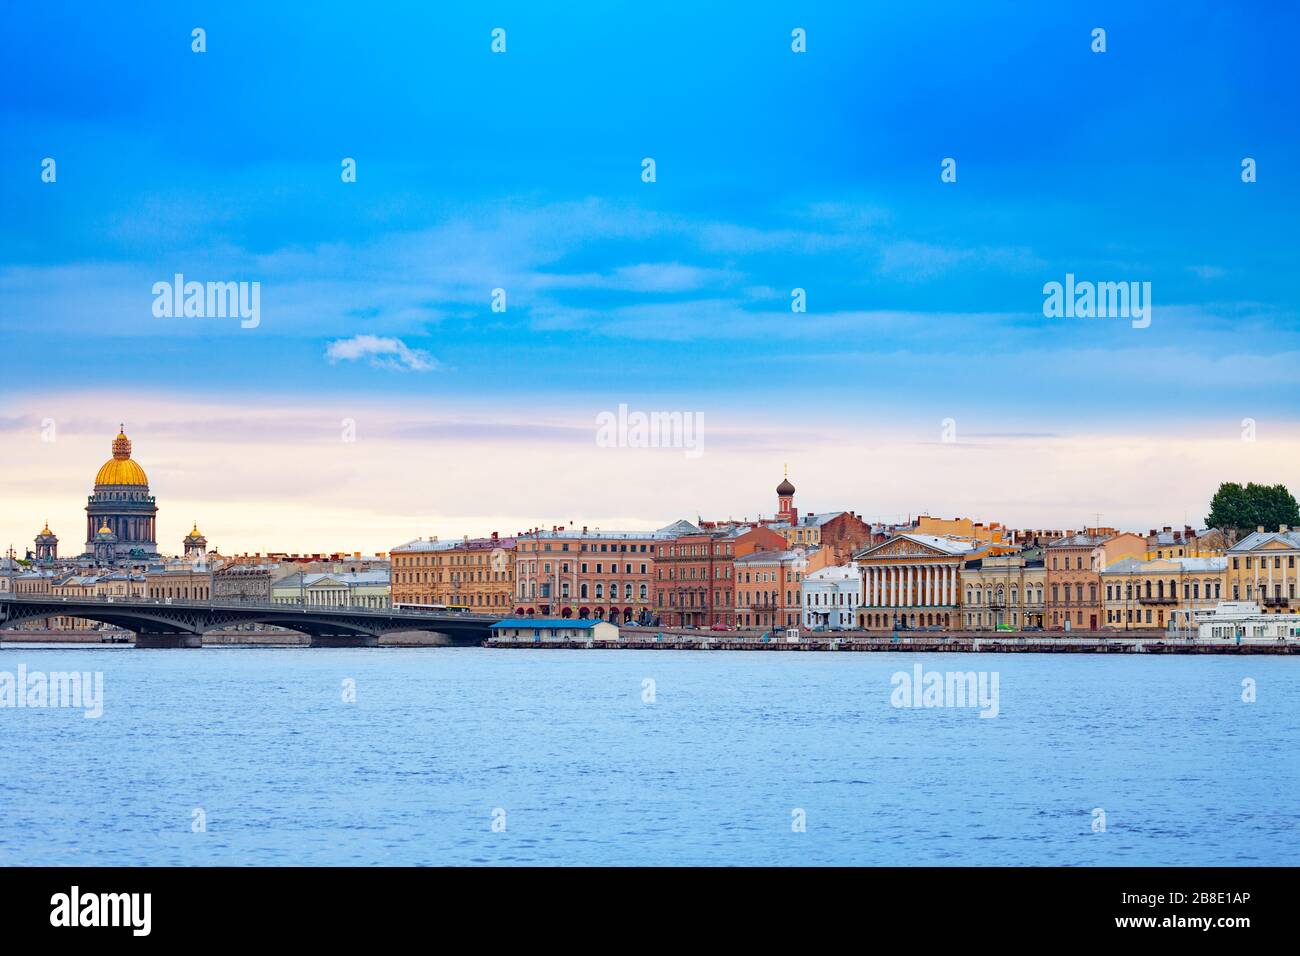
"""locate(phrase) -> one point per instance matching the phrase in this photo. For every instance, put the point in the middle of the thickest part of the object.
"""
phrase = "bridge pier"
(168, 640)
(344, 640)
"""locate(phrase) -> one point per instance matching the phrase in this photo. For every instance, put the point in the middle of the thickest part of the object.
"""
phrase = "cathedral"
(120, 512)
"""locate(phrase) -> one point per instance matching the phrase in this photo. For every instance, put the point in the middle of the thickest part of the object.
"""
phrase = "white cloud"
(382, 353)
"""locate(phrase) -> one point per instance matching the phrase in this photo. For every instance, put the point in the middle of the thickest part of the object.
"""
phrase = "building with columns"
(912, 581)
(1264, 567)
(47, 546)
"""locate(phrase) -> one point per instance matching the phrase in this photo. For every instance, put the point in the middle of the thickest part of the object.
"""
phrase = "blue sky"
(775, 170)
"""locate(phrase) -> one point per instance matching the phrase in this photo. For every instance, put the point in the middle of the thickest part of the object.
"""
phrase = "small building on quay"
(543, 630)
(1234, 621)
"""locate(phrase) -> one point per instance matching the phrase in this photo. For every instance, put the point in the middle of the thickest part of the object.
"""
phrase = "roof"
(838, 572)
(767, 557)
(1155, 565)
(548, 623)
(678, 528)
(1078, 541)
(1257, 539)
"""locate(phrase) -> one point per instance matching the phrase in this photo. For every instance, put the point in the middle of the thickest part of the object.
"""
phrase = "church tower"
(47, 546)
(195, 545)
(785, 509)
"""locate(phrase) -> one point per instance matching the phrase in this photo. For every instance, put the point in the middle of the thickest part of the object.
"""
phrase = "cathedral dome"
(120, 469)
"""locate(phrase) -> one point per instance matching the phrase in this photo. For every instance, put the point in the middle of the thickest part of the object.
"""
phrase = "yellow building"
(478, 573)
(1168, 543)
(1004, 591)
(1263, 567)
(1141, 595)
(992, 533)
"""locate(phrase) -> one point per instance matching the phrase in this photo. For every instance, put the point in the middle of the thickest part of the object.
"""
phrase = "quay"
(961, 642)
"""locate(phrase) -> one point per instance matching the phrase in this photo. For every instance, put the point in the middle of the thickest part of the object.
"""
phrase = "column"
(930, 576)
(895, 574)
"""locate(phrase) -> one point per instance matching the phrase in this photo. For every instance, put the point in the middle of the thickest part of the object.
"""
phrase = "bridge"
(168, 622)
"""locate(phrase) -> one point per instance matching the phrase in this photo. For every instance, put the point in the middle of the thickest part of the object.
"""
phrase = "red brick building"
(694, 572)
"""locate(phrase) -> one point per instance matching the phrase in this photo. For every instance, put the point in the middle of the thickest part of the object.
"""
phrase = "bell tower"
(785, 509)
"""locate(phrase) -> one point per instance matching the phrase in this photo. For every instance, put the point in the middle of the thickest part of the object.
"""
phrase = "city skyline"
(247, 482)
(776, 171)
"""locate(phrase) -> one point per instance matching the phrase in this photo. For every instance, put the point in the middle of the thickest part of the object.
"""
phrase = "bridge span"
(169, 622)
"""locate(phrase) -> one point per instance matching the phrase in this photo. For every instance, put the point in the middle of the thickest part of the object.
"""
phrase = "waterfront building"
(1005, 591)
(1262, 567)
(121, 514)
(1235, 621)
(542, 630)
(587, 572)
(47, 546)
(767, 586)
(1141, 595)
(478, 573)
(695, 571)
(1074, 565)
(831, 597)
(913, 580)
(364, 589)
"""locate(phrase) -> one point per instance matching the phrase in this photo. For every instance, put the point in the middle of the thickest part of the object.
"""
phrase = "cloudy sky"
(522, 171)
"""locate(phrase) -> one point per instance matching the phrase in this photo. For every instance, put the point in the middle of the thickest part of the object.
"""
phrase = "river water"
(477, 756)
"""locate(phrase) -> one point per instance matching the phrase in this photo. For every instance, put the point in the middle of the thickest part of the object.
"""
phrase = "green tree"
(1245, 508)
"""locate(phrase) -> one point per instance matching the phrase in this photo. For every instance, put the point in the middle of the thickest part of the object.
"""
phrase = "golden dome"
(104, 528)
(120, 469)
(195, 533)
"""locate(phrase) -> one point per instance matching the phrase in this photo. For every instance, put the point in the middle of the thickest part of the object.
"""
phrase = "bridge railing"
(283, 606)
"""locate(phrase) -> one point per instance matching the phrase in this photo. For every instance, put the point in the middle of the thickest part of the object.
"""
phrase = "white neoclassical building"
(831, 598)
(913, 581)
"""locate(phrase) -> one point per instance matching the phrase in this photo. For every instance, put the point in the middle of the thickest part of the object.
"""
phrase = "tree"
(1245, 509)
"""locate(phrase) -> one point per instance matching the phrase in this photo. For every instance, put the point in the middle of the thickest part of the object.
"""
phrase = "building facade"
(587, 573)
(768, 588)
(1074, 565)
(1264, 567)
(1148, 595)
(695, 572)
(1006, 592)
(913, 581)
(478, 573)
(831, 598)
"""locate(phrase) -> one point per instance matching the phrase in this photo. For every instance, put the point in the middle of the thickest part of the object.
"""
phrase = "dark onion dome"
(785, 489)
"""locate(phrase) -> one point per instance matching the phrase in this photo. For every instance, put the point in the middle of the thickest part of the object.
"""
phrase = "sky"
(923, 376)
